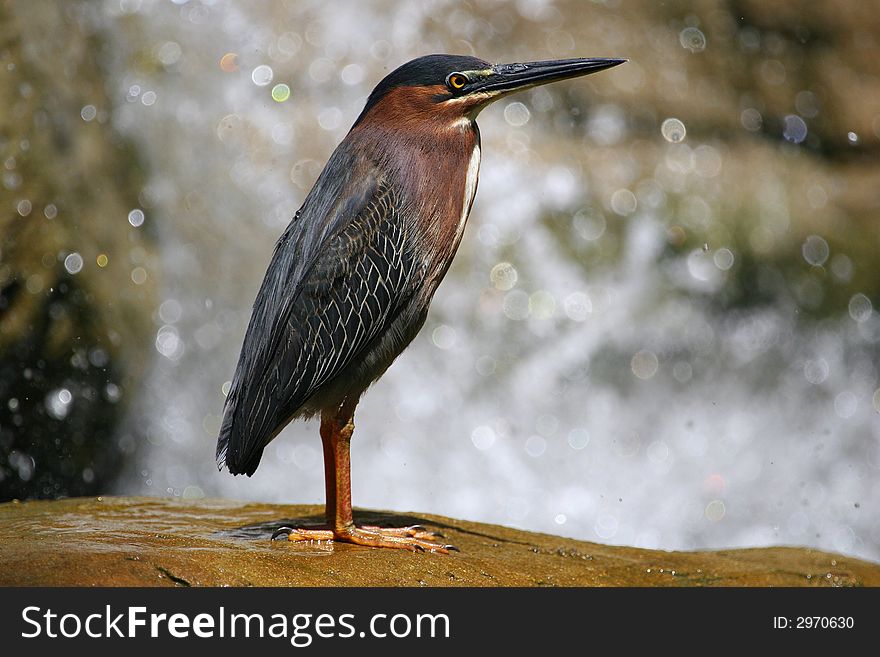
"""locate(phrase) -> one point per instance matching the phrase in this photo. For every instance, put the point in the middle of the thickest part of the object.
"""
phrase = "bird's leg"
(336, 431)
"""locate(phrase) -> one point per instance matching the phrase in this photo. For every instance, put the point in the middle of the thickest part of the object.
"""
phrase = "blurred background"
(661, 328)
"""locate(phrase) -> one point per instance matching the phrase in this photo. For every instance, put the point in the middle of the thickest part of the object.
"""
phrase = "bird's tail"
(230, 442)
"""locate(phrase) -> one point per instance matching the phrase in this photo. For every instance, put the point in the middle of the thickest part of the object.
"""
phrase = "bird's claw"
(282, 531)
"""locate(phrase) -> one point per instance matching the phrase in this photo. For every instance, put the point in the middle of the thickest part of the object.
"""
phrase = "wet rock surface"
(163, 542)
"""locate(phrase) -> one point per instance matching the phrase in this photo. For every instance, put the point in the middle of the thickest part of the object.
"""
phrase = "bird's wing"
(310, 321)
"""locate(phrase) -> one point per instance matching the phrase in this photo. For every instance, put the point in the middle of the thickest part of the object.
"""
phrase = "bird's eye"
(456, 81)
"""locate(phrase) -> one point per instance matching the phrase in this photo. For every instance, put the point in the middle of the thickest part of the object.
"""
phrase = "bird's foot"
(415, 537)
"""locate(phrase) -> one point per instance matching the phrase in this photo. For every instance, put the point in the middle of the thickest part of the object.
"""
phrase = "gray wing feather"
(332, 286)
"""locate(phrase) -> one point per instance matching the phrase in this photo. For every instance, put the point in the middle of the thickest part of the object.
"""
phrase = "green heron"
(351, 278)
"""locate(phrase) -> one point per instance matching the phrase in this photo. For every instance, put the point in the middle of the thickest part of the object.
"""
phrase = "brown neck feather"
(425, 146)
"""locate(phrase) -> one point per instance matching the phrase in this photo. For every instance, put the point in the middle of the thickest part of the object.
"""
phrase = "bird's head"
(452, 89)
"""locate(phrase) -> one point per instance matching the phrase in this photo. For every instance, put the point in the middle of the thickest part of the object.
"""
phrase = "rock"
(164, 542)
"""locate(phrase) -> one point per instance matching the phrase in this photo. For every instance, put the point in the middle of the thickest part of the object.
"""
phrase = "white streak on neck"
(470, 189)
(464, 123)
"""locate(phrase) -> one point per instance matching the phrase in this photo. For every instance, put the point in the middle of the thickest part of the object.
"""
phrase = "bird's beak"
(503, 79)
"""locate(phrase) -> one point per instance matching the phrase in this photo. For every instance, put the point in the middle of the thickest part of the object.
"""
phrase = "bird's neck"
(435, 167)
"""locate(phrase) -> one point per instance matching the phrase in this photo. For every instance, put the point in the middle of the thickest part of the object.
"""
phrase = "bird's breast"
(453, 189)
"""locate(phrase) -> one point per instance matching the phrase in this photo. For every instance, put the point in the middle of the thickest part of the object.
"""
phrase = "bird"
(351, 279)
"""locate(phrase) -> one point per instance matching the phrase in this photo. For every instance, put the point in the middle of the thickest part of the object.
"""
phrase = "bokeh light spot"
(73, 263)
(262, 75)
(673, 130)
(815, 250)
(503, 276)
(136, 217)
(692, 39)
(228, 62)
(794, 129)
(483, 437)
(715, 510)
(280, 93)
(644, 364)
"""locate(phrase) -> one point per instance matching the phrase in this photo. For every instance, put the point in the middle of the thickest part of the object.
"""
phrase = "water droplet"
(751, 119)
(136, 217)
(842, 268)
(352, 74)
(723, 259)
(560, 519)
(589, 224)
(483, 437)
(794, 129)
(262, 75)
(715, 510)
(169, 53)
(624, 202)
(673, 130)
(503, 276)
(58, 403)
(443, 337)
(192, 493)
(102, 260)
(228, 62)
(517, 114)
(577, 306)
(578, 438)
(73, 263)
(852, 137)
(535, 446)
(816, 371)
(692, 39)
(98, 357)
(606, 526)
(168, 342)
(170, 311)
(330, 118)
(516, 305)
(280, 93)
(815, 250)
(644, 364)
(139, 275)
(23, 463)
(806, 103)
(149, 98)
(34, 284)
(860, 307)
(682, 371)
(542, 305)
(88, 113)
(112, 392)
